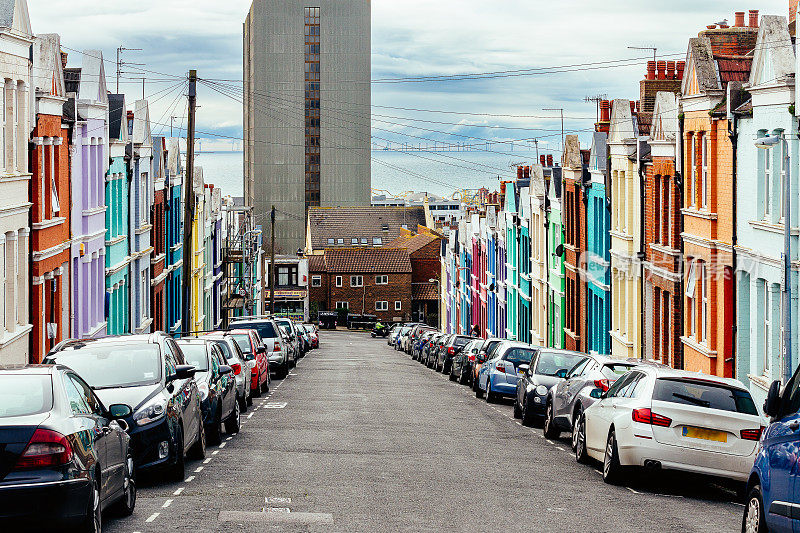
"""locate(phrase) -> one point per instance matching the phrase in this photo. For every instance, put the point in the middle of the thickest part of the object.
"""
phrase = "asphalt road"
(361, 438)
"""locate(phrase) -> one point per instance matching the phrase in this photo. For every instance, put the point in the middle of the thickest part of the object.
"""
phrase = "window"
(382, 280)
(783, 177)
(767, 183)
(143, 198)
(339, 241)
(398, 305)
(316, 281)
(692, 177)
(342, 305)
(287, 275)
(338, 281)
(54, 196)
(704, 394)
(377, 241)
(364, 240)
(704, 173)
(690, 307)
(354, 240)
(382, 306)
(356, 281)
(703, 302)
(87, 395)
(75, 397)
(331, 241)
(767, 331)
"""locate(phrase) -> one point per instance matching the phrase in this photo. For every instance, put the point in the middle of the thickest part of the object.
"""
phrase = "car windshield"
(614, 371)
(519, 356)
(549, 363)
(461, 341)
(226, 350)
(704, 394)
(105, 366)
(25, 394)
(196, 355)
(243, 340)
(265, 328)
(491, 346)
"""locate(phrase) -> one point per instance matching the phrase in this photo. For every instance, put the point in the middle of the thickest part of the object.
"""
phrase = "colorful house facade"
(174, 237)
(555, 259)
(598, 240)
(158, 273)
(141, 201)
(538, 256)
(574, 245)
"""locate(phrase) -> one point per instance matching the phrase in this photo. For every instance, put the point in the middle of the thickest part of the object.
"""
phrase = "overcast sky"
(409, 38)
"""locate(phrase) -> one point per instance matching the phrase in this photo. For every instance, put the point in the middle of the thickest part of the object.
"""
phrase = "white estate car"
(658, 417)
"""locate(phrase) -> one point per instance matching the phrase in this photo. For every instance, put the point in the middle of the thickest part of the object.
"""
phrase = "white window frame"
(703, 302)
(782, 170)
(398, 305)
(316, 281)
(339, 281)
(704, 172)
(767, 326)
(382, 279)
(382, 305)
(767, 184)
(692, 171)
(359, 281)
(343, 305)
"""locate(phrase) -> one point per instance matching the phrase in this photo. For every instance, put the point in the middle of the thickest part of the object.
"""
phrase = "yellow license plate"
(705, 434)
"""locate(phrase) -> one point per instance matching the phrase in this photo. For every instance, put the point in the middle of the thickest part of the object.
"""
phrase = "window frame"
(339, 281)
(379, 279)
(359, 281)
(384, 305)
(316, 280)
(398, 305)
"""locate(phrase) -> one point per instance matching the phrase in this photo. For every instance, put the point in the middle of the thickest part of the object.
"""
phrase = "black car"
(65, 457)
(217, 385)
(453, 344)
(547, 368)
(429, 352)
(149, 373)
(461, 366)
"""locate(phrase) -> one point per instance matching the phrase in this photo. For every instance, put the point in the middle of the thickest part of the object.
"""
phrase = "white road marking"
(229, 438)
(221, 445)
(633, 491)
(152, 517)
(250, 415)
(189, 479)
(166, 504)
(215, 452)
(277, 510)
(560, 448)
(275, 405)
(206, 461)
(198, 469)
(178, 492)
(277, 499)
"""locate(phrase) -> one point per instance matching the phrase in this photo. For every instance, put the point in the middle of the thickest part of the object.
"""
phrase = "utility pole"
(188, 208)
(561, 109)
(272, 263)
(120, 63)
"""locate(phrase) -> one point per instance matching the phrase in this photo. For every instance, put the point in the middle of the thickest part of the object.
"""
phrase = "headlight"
(152, 411)
(541, 390)
(203, 388)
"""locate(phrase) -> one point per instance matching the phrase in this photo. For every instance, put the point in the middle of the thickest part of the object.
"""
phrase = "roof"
(414, 242)
(14, 15)
(367, 260)
(663, 371)
(425, 291)
(316, 263)
(117, 117)
(368, 222)
(734, 68)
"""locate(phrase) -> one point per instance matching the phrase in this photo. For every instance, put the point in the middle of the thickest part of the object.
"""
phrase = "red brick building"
(158, 260)
(574, 245)
(49, 193)
(424, 250)
(372, 281)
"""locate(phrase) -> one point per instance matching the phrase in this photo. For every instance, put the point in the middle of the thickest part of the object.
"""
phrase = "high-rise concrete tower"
(306, 110)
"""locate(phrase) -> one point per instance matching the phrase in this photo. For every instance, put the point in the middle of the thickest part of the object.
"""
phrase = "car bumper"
(145, 441)
(44, 502)
(503, 388)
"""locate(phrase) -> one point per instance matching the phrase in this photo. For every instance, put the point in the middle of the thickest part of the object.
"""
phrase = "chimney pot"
(549, 160)
(679, 68)
(662, 67)
(605, 111)
(519, 173)
(670, 70)
(64, 59)
(753, 18)
(543, 160)
(651, 70)
(724, 26)
(712, 26)
(526, 173)
(739, 23)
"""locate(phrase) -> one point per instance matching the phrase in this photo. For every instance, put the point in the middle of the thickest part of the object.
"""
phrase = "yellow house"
(626, 197)
(198, 253)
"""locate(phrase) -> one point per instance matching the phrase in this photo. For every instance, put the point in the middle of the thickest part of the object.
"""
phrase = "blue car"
(498, 376)
(773, 490)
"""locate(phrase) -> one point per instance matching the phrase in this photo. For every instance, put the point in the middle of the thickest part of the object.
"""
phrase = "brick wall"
(398, 289)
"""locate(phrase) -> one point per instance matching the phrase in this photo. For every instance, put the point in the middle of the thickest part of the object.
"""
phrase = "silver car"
(278, 351)
(240, 365)
(572, 395)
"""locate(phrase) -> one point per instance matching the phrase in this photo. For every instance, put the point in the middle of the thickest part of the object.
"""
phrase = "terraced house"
(556, 303)
(574, 245)
(174, 236)
(141, 200)
(538, 259)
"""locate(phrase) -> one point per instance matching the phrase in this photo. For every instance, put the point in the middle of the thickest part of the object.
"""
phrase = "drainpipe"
(732, 135)
(679, 226)
(641, 254)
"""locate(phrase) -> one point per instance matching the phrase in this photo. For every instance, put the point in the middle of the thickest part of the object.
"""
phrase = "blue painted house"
(598, 246)
(174, 236)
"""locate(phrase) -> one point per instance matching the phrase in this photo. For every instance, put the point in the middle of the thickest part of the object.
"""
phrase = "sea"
(438, 172)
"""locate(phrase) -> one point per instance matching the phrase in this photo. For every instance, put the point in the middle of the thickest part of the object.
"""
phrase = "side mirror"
(562, 373)
(261, 349)
(481, 357)
(597, 394)
(772, 405)
(119, 410)
(225, 369)
(182, 372)
(523, 369)
(249, 357)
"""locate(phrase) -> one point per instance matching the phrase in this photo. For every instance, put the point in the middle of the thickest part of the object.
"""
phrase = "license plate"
(705, 434)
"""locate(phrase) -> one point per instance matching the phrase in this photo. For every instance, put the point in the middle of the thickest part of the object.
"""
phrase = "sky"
(410, 38)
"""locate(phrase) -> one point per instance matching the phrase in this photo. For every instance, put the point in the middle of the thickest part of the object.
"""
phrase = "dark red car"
(250, 343)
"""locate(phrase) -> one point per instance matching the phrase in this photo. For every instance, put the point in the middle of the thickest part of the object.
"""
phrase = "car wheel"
(178, 470)
(93, 521)
(753, 520)
(489, 393)
(478, 391)
(575, 418)
(198, 450)
(579, 439)
(214, 432)
(283, 370)
(242, 404)
(550, 429)
(250, 398)
(517, 410)
(257, 391)
(453, 377)
(127, 503)
(612, 470)
(234, 421)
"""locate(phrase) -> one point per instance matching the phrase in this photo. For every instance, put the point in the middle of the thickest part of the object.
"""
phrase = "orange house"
(717, 61)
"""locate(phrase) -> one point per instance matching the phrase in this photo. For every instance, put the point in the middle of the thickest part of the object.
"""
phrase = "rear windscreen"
(265, 329)
(461, 341)
(22, 394)
(614, 371)
(704, 394)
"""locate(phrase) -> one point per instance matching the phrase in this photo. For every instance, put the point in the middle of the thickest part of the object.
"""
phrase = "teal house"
(598, 246)
(174, 237)
(512, 262)
(555, 260)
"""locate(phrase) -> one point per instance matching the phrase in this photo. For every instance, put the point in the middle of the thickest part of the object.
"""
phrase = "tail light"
(254, 371)
(471, 358)
(602, 384)
(46, 448)
(451, 351)
(237, 368)
(646, 416)
(500, 367)
(752, 434)
(276, 347)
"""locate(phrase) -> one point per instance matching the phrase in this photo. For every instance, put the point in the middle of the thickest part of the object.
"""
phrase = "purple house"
(89, 161)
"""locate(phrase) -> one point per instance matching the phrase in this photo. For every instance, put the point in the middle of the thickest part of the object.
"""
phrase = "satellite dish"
(560, 250)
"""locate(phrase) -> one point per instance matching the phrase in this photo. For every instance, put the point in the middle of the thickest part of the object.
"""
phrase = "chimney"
(712, 27)
(638, 106)
(651, 70)
(543, 160)
(753, 18)
(662, 67)
(63, 59)
(549, 160)
(792, 10)
(739, 23)
(519, 173)
(605, 111)
(670, 70)
(679, 68)
(526, 173)
(633, 107)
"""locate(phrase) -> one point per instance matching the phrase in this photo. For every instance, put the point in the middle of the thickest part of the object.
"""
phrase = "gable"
(691, 87)
(93, 86)
(774, 56)
(665, 117)
(14, 16)
(700, 74)
(141, 123)
(48, 71)
(621, 122)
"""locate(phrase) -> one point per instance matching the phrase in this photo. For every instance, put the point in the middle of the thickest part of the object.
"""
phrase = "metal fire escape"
(240, 262)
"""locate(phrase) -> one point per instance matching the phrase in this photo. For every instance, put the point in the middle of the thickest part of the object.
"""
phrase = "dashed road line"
(221, 445)
(189, 479)
(198, 469)
(166, 504)
(152, 517)
(215, 452)
(178, 492)
(207, 460)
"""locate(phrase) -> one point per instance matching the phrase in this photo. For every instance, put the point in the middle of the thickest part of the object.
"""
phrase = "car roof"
(192, 340)
(662, 371)
(30, 369)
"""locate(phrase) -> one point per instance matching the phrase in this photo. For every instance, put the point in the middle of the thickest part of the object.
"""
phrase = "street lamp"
(766, 143)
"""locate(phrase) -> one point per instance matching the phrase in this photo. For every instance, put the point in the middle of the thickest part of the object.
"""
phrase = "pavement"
(361, 438)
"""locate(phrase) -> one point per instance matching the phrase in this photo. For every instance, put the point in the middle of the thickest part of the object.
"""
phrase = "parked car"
(313, 335)
(149, 373)
(291, 339)
(257, 356)
(302, 335)
(548, 367)
(772, 484)
(278, 354)
(662, 418)
(217, 386)
(413, 341)
(571, 396)
(420, 342)
(430, 351)
(66, 456)
(453, 344)
(461, 368)
(499, 374)
(485, 352)
(398, 340)
(235, 358)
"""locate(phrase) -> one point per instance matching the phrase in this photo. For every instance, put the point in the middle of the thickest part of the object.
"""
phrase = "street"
(361, 438)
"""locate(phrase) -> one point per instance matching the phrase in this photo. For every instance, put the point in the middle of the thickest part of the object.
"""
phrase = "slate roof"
(361, 222)
(424, 291)
(117, 115)
(316, 263)
(358, 260)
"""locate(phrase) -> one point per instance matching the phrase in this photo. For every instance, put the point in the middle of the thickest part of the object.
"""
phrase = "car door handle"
(795, 425)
